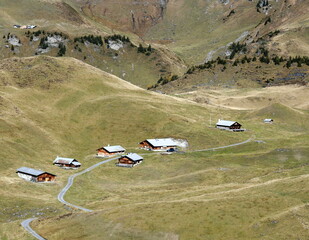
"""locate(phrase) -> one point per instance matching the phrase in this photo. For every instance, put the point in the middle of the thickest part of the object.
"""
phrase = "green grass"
(64, 107)
(219, 194)
(225, 194)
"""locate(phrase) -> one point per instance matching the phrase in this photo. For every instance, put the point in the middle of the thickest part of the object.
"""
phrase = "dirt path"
(26, 225)
(70, 183)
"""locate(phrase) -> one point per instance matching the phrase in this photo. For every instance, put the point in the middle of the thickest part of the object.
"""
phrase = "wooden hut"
(129, 160)
(160, 144)
(34, 175)
(228, 125)
(110, 151)
(66, 162)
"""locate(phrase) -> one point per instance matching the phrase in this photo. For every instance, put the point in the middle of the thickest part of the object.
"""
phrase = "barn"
(228, 125)
(110, 151)
(160, 144)
(66, 162)
(129, 160)
(34, 175)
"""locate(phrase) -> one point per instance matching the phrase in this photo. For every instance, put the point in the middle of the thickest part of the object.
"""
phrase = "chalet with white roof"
(34, 175)
(129, 160)
(110, 151)
(228, 125)
(160, 144)
(66, 162)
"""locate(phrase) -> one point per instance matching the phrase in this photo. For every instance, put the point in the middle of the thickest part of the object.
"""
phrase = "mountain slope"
(62, 106)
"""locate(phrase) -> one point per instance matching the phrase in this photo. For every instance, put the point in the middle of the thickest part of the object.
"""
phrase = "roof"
(31, 171)
(116, 148)
(225, 123)
(133, 156)
(162, 142)
(64, 160)
(76, 163)
(268, 120)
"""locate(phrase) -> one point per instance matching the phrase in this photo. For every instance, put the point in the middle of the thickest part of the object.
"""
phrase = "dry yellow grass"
(293, 96)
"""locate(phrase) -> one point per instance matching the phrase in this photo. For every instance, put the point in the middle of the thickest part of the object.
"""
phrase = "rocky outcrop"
(128, 15)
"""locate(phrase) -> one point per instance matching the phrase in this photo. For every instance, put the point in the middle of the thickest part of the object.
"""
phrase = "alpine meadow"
(157, 119)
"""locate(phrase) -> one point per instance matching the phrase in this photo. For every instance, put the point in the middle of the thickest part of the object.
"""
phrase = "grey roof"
(116, 148)
(133, 156)
(64, 160)
(225, 123)
(162, 142)
(31, 171)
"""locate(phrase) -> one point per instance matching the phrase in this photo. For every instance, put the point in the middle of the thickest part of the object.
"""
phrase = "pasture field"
(61, 106)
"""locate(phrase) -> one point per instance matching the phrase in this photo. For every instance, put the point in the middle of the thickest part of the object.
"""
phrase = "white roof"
(76, 163)
(268, 120)
(134, 156)
(162, 142)
(225, 123)
(64, 160)
(116, 148)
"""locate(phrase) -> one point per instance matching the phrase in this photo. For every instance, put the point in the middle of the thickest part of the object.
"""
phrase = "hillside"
(42, 96)
(250, 98)
(77, 81)
(62, 106)
(59, 24)
(181, 34)
(202, 30)
(244, 72)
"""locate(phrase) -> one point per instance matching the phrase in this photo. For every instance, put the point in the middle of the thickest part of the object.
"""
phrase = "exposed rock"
(54, 40)
(225, 2)
(13, 40)
(115, 45)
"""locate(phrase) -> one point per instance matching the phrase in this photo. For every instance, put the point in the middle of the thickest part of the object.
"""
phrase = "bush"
(237, 48)
(96, 40)
(62, 50)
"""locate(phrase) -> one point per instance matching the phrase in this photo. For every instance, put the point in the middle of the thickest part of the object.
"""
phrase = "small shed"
(268, 120)
(66, 162)
(110, 151)
(228, 125)
(129, 160)
(159, 144)
(34, 175)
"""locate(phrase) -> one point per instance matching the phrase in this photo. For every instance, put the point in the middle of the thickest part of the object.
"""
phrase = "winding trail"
(26, 223)
(70, 183)
(227, 146)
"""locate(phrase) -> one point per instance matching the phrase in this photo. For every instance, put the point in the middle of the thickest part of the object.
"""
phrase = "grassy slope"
(60, 106)
(241, 192)
(193, 29)
(196, 27)
(252, 191)
(247, 75)
(251, 98)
